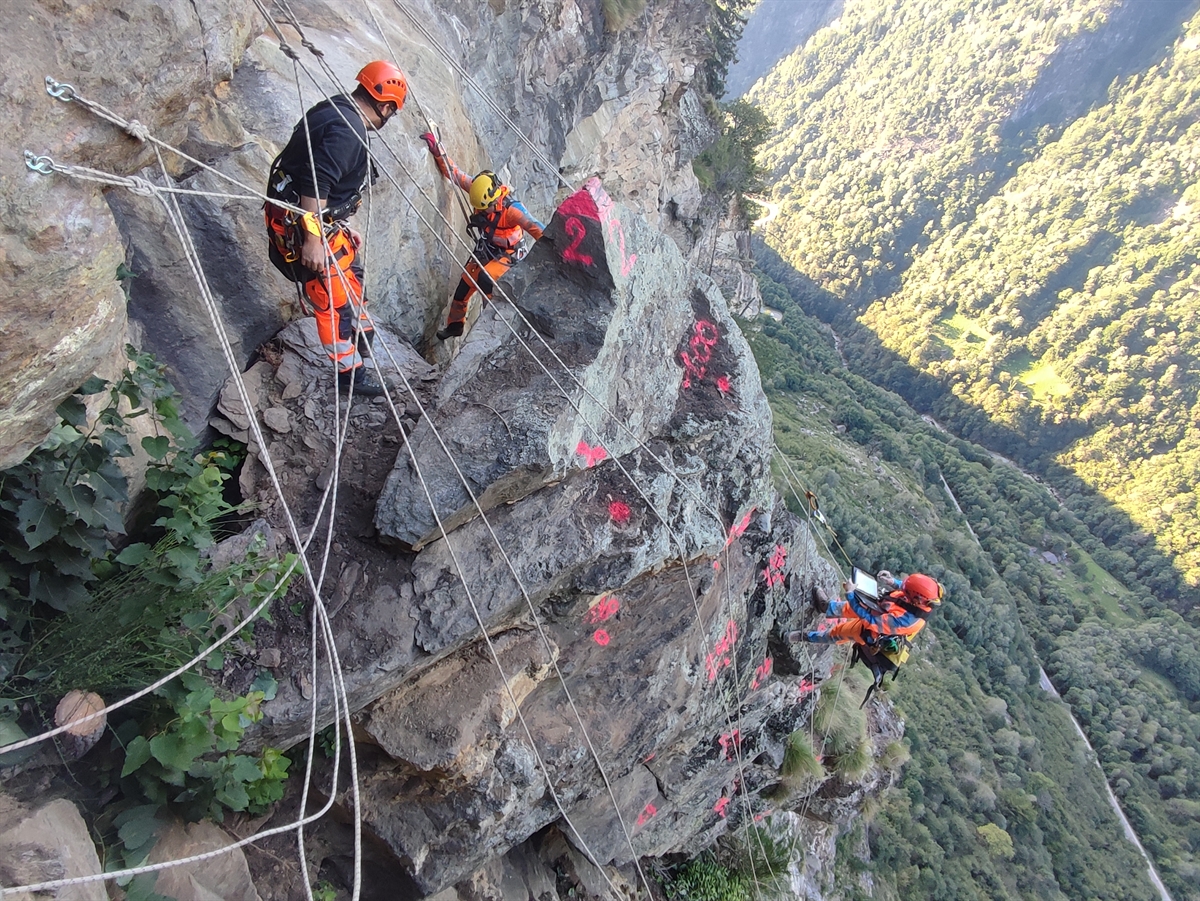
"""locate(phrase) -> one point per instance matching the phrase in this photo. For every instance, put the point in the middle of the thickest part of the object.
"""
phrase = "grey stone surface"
(662, 577)
(48, 843)
(225, 877)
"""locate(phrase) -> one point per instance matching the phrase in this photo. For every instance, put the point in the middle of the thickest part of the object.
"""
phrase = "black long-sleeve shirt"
(339, 152)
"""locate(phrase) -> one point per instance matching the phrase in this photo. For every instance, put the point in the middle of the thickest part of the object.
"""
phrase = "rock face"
(49, 843)
(627, 560)
(212, 80)
(224, 876)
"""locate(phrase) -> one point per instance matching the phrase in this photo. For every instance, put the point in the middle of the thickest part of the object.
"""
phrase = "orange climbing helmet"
(486, 189)
(384, 81)
(922, 590)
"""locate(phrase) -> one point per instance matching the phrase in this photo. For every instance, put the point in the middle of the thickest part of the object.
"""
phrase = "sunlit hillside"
(995, 207)
(1044, 272)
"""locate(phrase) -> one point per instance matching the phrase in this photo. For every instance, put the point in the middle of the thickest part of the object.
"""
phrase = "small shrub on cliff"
(800, 759)
(704, 879)
(762, 855)
(619, 13)
(191, 762)
(843, 725)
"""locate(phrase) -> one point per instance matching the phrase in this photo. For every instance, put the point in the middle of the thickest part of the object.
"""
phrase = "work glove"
(432, 143)
(884, 577)
(797, 636)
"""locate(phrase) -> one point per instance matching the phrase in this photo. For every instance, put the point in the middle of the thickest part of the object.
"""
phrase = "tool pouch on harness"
(287, 231)
(887, 655)
(283, 225)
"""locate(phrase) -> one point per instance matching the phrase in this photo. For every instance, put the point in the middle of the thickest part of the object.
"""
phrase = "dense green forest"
(1032, 281)
(996, 208)
(998, 801)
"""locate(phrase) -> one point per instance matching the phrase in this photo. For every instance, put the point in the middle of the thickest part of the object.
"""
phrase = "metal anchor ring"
(43, 165)
(60, 90)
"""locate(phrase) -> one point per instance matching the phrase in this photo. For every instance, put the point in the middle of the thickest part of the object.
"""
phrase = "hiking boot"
(820, 600)
(365, 383)
(452, 330)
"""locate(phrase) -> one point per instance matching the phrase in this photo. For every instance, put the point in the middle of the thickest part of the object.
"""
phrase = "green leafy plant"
(191, 760)
(65, 501)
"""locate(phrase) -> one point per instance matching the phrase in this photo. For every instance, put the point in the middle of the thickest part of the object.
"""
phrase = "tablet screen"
(864, 584)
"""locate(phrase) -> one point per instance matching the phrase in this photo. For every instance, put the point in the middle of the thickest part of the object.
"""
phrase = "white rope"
(674, 536)
(320, 613)
(68, 94)
(511, 567)
(479, 618)
(339, 692)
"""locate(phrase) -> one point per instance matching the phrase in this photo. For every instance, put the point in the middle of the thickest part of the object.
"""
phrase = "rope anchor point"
(60, 90)
(43, 165)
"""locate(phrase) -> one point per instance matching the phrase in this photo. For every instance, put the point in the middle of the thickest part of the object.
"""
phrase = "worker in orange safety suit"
(498, 219)
(901, 610)
(322, 170)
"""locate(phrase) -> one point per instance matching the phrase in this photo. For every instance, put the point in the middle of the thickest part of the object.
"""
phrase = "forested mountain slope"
(1046, 274)
(999, 801)
(996, 206)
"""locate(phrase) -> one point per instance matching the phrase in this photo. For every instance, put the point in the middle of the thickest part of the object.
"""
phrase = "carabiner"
(43, 165)
(60, 90)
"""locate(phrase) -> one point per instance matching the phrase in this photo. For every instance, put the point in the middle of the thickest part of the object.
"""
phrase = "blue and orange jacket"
(503, 226)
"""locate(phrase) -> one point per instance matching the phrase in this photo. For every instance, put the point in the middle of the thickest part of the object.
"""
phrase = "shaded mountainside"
(774, 29)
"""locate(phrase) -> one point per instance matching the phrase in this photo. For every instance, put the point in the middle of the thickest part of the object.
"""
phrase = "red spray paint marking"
(571, 254)
(761, 674)
(720, 806)
(759, 817)
(730, 742)
(602, 637)
(773, 574)
(719, 658)
(592, 455)
(603, 609)
(695, 365)
(608, 215)
(740, 528)
(581, 203)
(618, 512)
(805, 687)
(646, 814)
(717, 565)
(723, 384)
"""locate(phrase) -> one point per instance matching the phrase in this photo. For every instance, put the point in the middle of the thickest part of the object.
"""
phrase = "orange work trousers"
(484, 276)
(336, 294)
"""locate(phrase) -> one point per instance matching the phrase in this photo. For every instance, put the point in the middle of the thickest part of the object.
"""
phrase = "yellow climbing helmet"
(486, 189)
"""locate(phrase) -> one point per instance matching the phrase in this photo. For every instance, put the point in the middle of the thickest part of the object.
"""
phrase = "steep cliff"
(587, 481)
(559, 574)
(212, 80)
